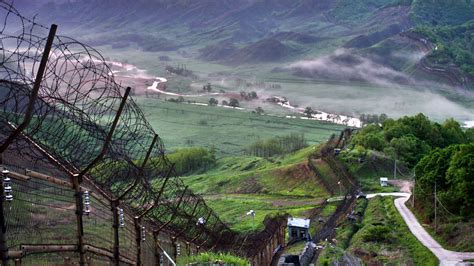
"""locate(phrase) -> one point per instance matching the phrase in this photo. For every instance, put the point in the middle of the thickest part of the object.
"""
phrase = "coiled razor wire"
(76, 106)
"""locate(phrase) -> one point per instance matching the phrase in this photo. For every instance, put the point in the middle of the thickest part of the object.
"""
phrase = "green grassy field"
(237, 185)
(229, 131)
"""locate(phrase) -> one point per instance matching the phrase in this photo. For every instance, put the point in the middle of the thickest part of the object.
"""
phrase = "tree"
(409, 148)
(253, 95)
(452, 132)
(259, 110)
(308, 111)
(470, 135)
(207, 87)
(224, 102)
(234, 102)
(213, 102)
(460, 178)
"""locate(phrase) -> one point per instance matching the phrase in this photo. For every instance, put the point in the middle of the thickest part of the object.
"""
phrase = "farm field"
(229, 131)
(335, 96)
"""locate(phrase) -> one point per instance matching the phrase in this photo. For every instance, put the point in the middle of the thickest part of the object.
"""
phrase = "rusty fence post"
(138, 240)
(26, 121)
(157, 247)
(115, 214)
(3, 229)
(79, 210)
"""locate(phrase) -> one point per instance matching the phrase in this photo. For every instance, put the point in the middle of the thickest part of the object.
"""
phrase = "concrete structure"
(298, 229)
(384, 181)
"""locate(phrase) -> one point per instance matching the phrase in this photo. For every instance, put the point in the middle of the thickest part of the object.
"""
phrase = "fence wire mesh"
(83, 125)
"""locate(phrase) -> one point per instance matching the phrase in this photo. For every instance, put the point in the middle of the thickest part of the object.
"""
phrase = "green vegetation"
(344, 234)
(371, 166)
(454, 44)
(451, 170)
(236, 185)
(210, 258)
(381, 237)
(278, 145)
(442, 155)
(384, 237)
(355, 12)
(191, 159)
(409, 138)
(442, 12)
(229, 131)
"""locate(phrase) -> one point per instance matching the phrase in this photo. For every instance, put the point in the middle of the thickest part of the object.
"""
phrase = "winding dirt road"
(446, 257)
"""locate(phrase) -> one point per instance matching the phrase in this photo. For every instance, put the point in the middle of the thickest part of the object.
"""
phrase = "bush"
(209, 258)
(377, 233)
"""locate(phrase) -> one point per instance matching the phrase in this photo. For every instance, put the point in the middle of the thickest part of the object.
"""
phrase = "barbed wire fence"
(85, 176)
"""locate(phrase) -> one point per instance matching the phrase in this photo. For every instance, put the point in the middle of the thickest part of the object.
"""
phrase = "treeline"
(451, 170)
(442, 156)
(411, 137)
(277, 145)
(373, 118)
(192, 159)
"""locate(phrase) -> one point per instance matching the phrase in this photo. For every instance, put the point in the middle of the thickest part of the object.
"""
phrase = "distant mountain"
(263, 31)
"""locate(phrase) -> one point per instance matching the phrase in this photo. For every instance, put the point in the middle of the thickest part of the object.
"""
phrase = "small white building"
(384, 181)
(298, 229)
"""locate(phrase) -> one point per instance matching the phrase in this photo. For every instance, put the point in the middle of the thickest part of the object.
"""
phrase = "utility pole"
(414, 185)
(395, 168)
(435, 205)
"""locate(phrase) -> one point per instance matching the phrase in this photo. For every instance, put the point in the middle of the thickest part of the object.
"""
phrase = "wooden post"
(115, 214)
(79, 211)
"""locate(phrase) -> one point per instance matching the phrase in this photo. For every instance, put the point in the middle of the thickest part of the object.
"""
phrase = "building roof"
(298, 222)
(384, 179)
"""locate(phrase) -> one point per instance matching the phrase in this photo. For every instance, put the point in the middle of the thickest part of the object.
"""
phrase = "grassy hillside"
(381, 237)
(442, 12)
(455, 44)
(396, 244)
(237, 185)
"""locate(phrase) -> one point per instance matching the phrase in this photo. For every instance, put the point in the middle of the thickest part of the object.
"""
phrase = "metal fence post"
(175, 248)
(80, 226)
(138, 240)
(34, 91)
(3, 244)
(157, 247)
